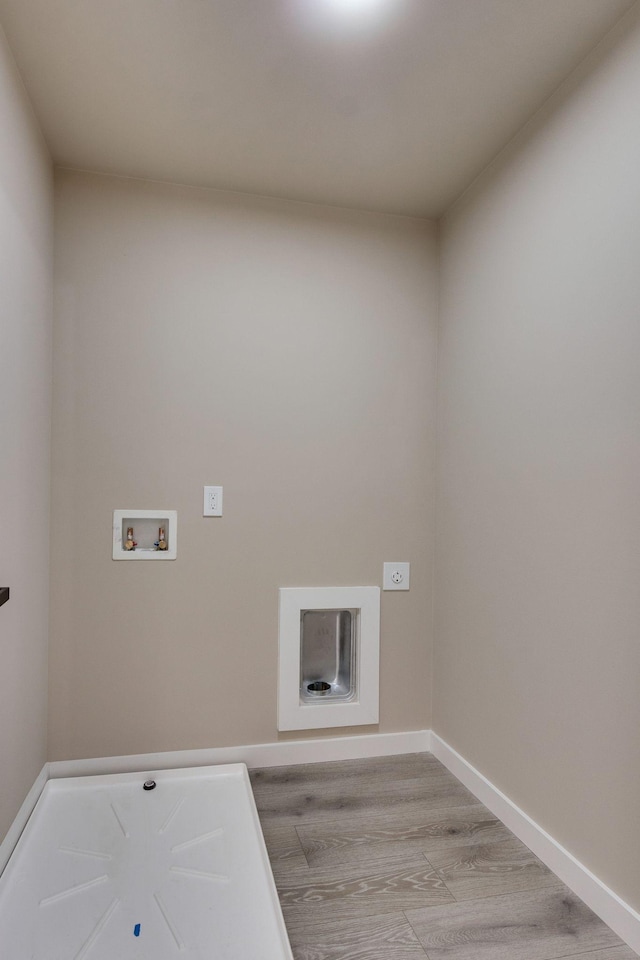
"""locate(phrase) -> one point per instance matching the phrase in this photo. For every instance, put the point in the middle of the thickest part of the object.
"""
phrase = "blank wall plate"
(396, 575)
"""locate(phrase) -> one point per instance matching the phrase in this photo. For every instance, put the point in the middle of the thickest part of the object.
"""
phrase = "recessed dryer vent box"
(329, 654)
(146, 526)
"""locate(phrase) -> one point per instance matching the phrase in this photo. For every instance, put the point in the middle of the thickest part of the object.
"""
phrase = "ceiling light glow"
(356, 8)
(354, 12)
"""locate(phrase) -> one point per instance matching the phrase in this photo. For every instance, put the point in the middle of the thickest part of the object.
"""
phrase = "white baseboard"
(20, 821)
(617, 914)
(258, 755)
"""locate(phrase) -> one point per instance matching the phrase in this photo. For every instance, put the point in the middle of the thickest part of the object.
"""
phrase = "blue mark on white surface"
(136, 930)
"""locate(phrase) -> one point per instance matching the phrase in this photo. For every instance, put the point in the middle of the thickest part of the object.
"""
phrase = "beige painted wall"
(283, 350)
(537, 657)
(26, 259)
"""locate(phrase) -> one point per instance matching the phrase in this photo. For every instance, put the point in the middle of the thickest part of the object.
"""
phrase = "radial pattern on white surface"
(107, 869)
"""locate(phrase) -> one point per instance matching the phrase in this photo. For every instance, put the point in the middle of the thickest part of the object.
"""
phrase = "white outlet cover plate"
(212, 506)
(396, 575)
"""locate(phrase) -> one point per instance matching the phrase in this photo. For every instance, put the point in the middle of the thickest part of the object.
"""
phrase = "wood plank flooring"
(393, 859)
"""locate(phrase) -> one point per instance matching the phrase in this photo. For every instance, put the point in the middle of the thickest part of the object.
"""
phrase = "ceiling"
(396, 110)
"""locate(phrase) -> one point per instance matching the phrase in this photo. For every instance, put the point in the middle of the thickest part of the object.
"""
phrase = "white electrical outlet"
(212, 502)
(396, 576)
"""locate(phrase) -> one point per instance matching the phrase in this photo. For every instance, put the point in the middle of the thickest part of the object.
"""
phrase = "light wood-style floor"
(393, 859)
